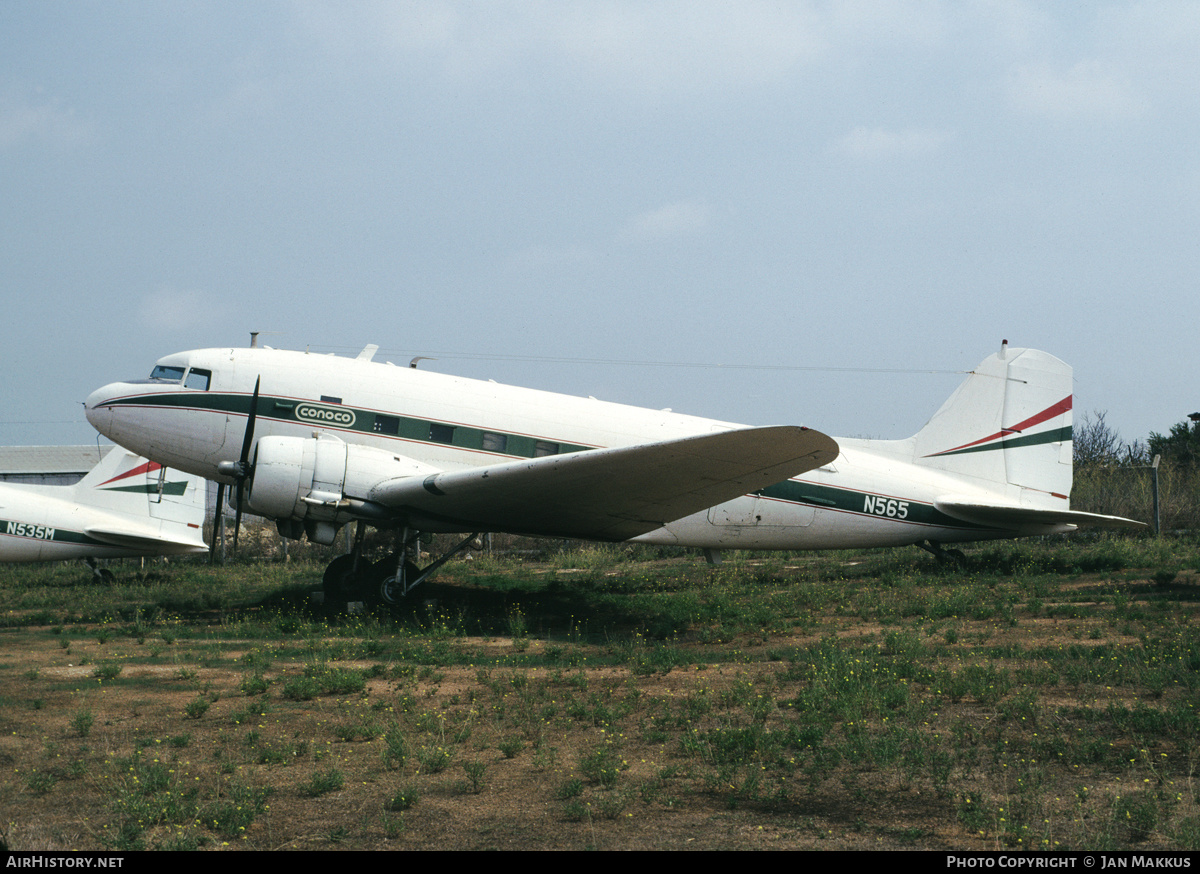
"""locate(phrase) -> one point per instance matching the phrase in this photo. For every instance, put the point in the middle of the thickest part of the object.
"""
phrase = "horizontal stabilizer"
(1027, 519)
(140, 540)
(608, 494)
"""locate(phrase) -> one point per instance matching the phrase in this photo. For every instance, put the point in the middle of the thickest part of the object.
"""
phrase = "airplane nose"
(96, 410)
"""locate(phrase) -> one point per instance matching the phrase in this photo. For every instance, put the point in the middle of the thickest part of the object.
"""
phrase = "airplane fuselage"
(36, 527)
(193, 417)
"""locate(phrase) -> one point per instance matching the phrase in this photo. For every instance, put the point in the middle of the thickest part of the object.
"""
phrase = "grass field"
(1042, 696)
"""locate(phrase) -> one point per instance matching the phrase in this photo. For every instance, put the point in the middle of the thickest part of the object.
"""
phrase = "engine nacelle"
(321, 481)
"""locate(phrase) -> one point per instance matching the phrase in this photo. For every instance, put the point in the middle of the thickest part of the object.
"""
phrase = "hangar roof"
(49, 460)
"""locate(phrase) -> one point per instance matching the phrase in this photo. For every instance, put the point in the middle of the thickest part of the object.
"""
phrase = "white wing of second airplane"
(609, 494)
(157, 542)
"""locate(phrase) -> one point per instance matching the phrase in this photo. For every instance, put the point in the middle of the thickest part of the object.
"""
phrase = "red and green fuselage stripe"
(44, 533)
(861, 503)
(377, 423)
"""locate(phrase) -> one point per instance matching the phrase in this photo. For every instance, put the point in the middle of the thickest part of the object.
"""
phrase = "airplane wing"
(141, 540)
(608, 494)
(1012, 516)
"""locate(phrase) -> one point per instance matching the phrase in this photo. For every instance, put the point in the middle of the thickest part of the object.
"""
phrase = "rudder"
(1008, 423)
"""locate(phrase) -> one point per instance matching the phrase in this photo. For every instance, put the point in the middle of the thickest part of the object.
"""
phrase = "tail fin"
(168, 502)
(1008, 423)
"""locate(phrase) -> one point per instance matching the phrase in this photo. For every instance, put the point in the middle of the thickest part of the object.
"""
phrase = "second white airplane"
(316, 441)
(126, 506)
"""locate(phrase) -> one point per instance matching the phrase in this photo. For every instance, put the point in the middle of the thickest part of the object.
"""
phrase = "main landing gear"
(353, 577)
(944, 556)
(99, 574)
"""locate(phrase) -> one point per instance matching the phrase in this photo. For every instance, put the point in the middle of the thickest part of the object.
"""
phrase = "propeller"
(242, 470)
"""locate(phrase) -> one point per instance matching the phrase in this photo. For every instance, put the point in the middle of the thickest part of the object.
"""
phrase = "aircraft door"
(740, 512)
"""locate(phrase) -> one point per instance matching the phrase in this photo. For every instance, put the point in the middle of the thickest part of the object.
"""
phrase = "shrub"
(403, 800)
(322, 783)
(301, 689)
(82, 721)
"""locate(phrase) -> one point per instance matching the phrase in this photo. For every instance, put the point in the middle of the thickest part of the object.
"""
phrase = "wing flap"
(609, 494)
(1028, 519)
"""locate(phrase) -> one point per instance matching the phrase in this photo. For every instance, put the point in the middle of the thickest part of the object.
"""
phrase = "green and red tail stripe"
(173, 487)
(147, 468)
(1005, 436)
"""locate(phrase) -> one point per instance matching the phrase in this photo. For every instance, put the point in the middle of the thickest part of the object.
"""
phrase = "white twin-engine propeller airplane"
(316, 441)
(126, 506)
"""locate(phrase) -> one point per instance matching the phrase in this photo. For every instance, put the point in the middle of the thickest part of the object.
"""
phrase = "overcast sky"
(826, 209)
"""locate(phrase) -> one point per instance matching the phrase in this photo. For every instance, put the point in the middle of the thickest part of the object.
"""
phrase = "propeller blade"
(244, 461)
(248, 439)
(237, 517)
(212, 549)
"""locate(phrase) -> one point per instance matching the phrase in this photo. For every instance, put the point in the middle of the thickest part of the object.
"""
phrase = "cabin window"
(198, 379)
(543, 448)
(441, 433)
(167, 374)
(387, 425)
(494, 442)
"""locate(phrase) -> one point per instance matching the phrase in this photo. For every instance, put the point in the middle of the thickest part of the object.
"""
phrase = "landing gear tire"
(338, 582)
(101, 575)
(391, 588)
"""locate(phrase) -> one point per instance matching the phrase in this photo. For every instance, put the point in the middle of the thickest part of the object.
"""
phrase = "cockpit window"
(167, 374)
(198, 378)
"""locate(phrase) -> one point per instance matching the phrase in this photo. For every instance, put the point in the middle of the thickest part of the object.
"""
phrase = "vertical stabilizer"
(126, 483)
(1008, 423)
